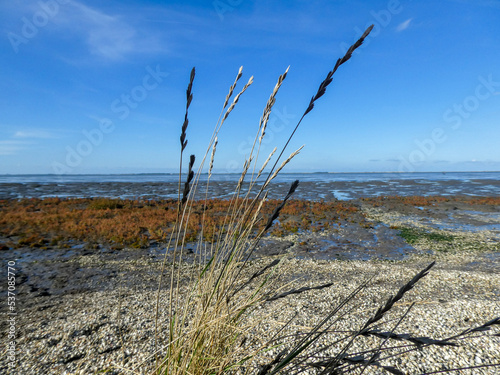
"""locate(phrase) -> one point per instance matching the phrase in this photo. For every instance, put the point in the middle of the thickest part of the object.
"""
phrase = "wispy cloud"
(12, 147)
(38, 134)
(441, 161)
(16, 141)
(107, 36)
(404, 25)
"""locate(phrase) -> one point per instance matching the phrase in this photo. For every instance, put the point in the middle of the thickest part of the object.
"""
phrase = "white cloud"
(120, 32)
(19, 140)
(41, 134)
(11, 147)
(403, 25)
(106, 35)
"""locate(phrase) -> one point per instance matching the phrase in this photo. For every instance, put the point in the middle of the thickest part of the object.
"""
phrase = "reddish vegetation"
(55, 222)
(494, 201)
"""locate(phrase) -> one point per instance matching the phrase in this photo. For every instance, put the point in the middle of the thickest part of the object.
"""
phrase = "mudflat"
(88, 307)
(383, 229)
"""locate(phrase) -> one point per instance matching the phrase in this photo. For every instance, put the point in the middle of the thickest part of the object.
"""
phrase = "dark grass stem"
(378, 315)
(315, 333)
(206, 324)
(376, 353)
(319, 94)
(393, 299)
(321, 91)
(183, 142)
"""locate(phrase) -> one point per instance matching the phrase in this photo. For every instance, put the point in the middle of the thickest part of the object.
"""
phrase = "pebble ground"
(113, 329)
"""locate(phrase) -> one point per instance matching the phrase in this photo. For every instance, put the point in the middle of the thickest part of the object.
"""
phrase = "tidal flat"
(87, 304)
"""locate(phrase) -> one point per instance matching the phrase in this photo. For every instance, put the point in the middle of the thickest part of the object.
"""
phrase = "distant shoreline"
(230, 173)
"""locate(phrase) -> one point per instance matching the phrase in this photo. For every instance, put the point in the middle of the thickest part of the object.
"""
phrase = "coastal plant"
(413, 235)
(125, 222)
(213, 302)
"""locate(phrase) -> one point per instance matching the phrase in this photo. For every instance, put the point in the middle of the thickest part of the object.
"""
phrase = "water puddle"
(341, 195)
(355, 242)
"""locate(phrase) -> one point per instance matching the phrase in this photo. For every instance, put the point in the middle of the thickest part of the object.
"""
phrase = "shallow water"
(314, 186)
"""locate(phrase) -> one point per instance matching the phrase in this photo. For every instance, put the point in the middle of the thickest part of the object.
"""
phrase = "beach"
(110, 325)
(250, 188)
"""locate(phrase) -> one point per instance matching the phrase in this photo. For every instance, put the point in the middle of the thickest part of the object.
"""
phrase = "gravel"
(112, 328)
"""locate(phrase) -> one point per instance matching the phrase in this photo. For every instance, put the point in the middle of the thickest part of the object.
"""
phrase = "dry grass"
(208, 322)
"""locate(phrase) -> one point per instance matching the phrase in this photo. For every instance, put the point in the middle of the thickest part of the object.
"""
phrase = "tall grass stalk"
(208, 307)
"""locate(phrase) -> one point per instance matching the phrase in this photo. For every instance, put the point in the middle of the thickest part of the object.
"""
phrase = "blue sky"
(99, 87)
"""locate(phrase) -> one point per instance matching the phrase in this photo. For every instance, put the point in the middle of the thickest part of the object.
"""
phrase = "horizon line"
(231, 173)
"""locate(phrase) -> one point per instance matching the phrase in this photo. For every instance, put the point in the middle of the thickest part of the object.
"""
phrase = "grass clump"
(208, 322)
(213, 312)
